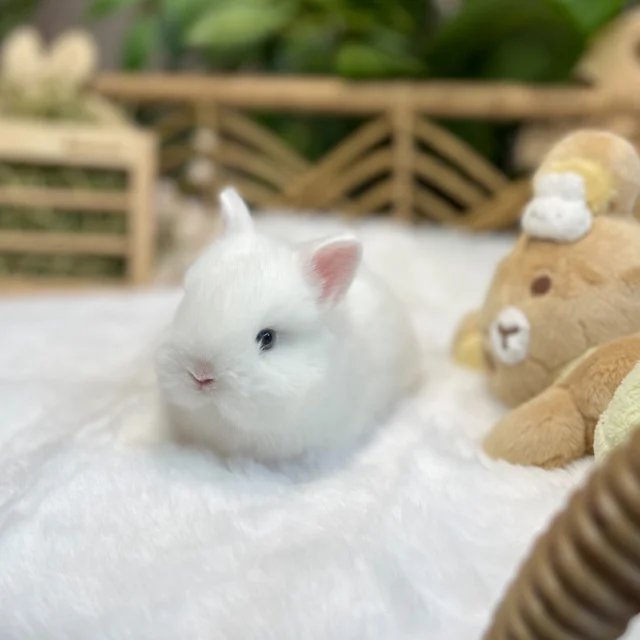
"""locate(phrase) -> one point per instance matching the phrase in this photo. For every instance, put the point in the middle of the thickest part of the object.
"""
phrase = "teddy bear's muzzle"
(509, 335)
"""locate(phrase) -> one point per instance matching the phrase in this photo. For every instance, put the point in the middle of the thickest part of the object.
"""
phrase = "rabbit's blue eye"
(266, 339)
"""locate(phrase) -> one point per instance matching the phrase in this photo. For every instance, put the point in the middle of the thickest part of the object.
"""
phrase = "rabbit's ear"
(22, 56)
(73, 58)
(332, 265)
(234, 212)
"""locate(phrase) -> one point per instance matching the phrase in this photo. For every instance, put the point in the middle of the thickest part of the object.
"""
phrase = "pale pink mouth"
(203, 382)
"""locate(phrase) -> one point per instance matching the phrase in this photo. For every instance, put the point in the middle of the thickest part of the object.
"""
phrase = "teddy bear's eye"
(541, 285)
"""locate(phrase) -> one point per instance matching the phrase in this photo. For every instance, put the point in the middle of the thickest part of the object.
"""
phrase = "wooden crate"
(400, 162)
(124, 149)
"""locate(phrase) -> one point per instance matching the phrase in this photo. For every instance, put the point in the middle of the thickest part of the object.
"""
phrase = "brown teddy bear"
(560, 326)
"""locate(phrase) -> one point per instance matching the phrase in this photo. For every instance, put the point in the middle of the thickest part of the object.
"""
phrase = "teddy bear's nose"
(507, 331)
(509, 336)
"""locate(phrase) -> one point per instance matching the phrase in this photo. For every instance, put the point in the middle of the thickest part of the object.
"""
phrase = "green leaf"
(361, 60)
(532, 57)
(465, 45)
(102, 8)
(391, 41)
(327, 5)
(141, 41)
(240, 23)
(358, 20)
(15, 13)
(307, 46)
(184, 12)
(481, 136)
(356, 60)
(590, 15)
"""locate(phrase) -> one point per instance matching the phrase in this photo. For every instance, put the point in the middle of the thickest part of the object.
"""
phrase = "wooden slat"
(433, 207)
(371, 201)
(80, 199)
(255, 193)
(333, 163)
(262, 139)
(438, 174)
(460, 154)
(68, 144)
(73, 243)
(22, 285)
(368, 168)
(457, 99)
(234, 156)
(404, 152)
(501, 211)
(140, 246)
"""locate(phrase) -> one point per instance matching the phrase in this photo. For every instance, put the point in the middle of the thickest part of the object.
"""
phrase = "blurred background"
(588, 44)
(529, 40)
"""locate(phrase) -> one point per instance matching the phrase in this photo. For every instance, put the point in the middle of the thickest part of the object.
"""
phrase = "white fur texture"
(345, 352)
(559, 210)
(510, 333)
(413, 536)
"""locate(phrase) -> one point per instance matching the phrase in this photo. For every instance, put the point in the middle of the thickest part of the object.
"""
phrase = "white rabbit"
(277, 349)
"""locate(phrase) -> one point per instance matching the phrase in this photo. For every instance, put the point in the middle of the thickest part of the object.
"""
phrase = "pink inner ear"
(335, 265)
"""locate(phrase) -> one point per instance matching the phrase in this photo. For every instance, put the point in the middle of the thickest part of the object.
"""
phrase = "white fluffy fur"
(345, 352)
(413, 536)
(559, 210)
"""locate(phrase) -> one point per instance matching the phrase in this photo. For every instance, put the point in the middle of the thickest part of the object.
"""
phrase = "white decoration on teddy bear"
(559, 209)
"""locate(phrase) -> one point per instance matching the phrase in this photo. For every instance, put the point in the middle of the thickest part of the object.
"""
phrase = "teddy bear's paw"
(547, 431)
(467, 343)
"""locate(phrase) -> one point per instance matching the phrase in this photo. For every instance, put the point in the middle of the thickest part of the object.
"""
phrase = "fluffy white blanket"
(415, 535)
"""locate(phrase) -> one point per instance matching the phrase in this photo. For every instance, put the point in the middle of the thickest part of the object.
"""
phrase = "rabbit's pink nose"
(202, 375)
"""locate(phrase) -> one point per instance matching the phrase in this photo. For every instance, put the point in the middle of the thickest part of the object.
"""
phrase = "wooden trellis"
(399, 162)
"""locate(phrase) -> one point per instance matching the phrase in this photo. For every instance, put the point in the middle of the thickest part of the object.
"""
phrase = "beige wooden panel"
(72, 243)
(72, 145)
(82, 199)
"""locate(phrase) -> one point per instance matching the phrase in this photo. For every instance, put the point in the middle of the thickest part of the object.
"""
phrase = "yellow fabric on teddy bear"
(620, 418)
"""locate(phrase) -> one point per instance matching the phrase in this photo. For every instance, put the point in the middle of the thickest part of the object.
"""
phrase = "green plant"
(356, 38)
(14, 13)
(527, 40)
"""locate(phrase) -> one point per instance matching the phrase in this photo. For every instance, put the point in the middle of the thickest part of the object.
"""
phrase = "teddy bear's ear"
(588, 173)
